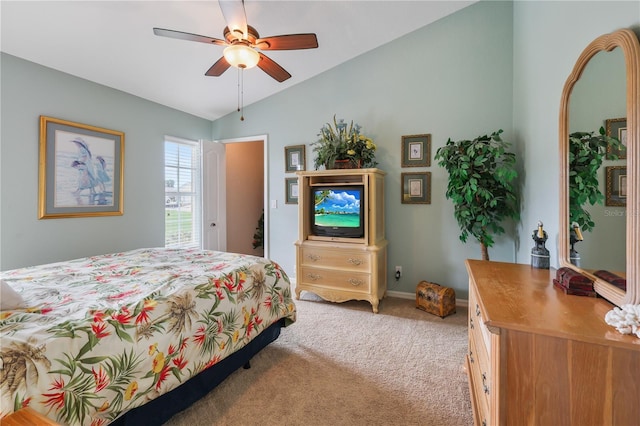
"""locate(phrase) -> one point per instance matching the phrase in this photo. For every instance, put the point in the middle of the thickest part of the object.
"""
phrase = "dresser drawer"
(479, 359)
(476, 322)
(341, 259)
(481, 364)
(331, 278)
(478, 377)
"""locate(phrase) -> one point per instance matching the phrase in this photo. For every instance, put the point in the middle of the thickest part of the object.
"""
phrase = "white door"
(214, 213)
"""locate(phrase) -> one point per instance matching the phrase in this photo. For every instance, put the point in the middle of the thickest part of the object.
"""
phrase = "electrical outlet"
(398, 272)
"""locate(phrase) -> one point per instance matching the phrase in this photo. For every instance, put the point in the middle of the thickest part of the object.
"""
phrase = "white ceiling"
(112, 42)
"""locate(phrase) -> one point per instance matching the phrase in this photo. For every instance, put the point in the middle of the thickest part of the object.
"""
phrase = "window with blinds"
(183, 193)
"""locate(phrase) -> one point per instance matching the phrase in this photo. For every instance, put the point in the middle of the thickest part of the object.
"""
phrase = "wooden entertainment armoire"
(337, 268)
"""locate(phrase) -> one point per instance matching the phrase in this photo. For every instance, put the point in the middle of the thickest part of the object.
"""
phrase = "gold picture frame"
(617, 128)
(294, 158)
(291, 190)
(616, 182)
(416, 151)
(416, 188)
(81, 170)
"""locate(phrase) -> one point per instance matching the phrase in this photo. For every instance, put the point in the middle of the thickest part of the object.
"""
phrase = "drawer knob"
(313, 257)
(355, 282)
(471, 360)
(314, 277)
(355, 261)
(477, 310)
(471, 323)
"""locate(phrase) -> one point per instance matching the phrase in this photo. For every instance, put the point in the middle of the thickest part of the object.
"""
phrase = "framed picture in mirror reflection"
(616, 186)
(617, 128)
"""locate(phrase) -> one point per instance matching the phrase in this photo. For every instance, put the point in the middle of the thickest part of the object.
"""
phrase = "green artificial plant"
(481, 175)
(586, 154)
(342, 141)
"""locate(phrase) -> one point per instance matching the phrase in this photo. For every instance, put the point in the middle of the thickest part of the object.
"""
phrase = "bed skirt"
(161, 409)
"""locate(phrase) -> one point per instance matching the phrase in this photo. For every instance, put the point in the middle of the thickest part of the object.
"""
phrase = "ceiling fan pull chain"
(241, 92)
(238, 90)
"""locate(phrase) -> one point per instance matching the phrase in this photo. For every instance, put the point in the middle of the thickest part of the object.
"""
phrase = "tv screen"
(338, 211)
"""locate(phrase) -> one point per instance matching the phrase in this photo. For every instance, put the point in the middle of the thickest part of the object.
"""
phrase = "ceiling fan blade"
(188, 36)
(218, 68)
(236, 17)
(288, 42)
(269, 66)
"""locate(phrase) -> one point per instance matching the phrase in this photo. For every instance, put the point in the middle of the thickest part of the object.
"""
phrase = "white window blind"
(183, 193)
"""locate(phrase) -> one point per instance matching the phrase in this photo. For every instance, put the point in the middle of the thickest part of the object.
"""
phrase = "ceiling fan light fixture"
(241, 56)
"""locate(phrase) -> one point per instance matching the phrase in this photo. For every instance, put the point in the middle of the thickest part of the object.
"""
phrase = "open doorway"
(235, 194)
(245, 177)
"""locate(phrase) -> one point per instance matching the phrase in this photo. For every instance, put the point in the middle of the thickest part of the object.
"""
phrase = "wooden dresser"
(540, 357)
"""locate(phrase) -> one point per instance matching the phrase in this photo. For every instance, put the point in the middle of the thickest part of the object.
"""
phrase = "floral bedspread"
(104, 334)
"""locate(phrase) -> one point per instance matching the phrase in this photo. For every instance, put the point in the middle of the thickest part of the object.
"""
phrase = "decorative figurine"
(539, 253)
(575, 235)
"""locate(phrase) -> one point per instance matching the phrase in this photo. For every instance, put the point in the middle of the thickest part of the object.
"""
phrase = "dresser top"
(518, 297)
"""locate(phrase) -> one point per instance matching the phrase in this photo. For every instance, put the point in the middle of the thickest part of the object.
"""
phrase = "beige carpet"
(341, 364)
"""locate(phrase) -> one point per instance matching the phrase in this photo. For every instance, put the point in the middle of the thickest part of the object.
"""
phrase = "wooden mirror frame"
(626, 40)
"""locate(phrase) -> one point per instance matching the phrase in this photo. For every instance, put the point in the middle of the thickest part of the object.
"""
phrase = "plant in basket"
(341, 145)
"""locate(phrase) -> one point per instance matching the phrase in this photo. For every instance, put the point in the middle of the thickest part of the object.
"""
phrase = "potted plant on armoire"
(481, 186)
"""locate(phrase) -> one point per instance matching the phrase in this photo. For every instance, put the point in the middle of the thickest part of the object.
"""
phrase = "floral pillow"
(9, 298)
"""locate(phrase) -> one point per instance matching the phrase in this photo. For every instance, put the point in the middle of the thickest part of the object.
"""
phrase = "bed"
(133, 337)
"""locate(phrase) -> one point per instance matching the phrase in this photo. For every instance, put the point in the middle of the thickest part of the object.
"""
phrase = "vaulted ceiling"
(112, 42)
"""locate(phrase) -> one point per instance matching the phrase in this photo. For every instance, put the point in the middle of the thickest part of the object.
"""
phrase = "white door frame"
(265, 146)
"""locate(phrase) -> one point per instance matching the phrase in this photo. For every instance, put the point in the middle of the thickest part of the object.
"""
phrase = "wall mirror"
(603, 88)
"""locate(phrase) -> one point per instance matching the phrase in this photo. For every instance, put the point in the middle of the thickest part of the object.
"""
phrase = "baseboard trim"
(464, 303)
(412, 296)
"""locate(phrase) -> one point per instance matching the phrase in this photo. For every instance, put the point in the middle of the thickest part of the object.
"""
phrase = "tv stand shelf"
(342, 268)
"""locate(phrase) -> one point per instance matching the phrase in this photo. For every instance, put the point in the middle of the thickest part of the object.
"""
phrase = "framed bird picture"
(81, 170)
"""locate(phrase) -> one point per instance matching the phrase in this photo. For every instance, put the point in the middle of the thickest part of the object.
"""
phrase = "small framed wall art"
(617, 128)
(616, 186)
(416, 188)
(291, 190)
(294, 158)
(81, 170)
(416, 151)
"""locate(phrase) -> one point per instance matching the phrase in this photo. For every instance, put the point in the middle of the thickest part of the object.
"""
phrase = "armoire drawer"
(331, 278)
(341, 259)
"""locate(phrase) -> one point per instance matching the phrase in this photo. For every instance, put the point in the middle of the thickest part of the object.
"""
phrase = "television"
(337, 211)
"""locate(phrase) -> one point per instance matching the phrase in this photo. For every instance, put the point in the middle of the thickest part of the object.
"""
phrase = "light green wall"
(492, 65)
(30, 90)
(451, 79)
(550, 37)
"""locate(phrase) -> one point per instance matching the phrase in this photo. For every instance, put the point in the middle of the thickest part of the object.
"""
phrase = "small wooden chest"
(435, 299)
(573, 282)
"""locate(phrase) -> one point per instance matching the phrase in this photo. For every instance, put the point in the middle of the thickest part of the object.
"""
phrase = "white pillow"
(9, 298)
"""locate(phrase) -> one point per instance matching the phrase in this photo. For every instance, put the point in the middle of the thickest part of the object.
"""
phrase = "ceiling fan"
(242, 41)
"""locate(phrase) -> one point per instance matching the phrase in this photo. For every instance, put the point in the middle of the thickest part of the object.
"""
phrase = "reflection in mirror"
(599, 95)
(596, 98)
